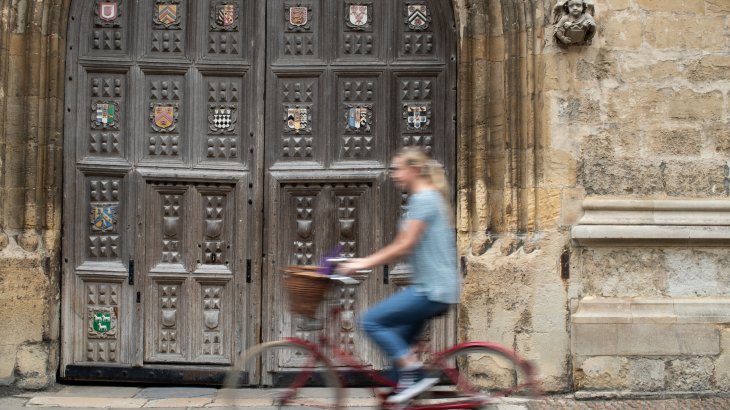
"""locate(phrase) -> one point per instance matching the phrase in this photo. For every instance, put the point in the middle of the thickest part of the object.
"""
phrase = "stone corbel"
(630, 222)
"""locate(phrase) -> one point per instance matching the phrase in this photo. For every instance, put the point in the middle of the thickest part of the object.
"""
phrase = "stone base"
(654, 346)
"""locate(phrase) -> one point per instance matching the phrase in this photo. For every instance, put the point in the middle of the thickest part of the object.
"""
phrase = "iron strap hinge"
(248, 270)
(130, 271)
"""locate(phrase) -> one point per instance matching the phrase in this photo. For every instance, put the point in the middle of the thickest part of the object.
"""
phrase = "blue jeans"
(394, 323)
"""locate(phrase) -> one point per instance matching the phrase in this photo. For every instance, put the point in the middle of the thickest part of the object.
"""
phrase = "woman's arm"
(404, 241)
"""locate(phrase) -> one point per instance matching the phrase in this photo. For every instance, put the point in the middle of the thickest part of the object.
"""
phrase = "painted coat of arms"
(417, 116)
(105, 114)
(359, 118)
(102, 322)
(298, 16)
(103, 217)
(225, 17)
(222, 119)
(164, 117)
(297, 118)
(167, 14)
(417, 16)
(108, 11)
(358, 16)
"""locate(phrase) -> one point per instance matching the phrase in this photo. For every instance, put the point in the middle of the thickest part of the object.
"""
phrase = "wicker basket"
(305, 288)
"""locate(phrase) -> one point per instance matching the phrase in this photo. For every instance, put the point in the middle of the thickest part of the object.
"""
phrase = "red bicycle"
(472, 374)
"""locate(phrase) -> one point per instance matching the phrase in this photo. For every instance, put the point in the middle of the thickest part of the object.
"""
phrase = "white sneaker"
(413, 390)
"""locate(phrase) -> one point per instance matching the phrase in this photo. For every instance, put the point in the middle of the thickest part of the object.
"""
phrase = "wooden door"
(163, 188)
(348, 83)
(211, 142)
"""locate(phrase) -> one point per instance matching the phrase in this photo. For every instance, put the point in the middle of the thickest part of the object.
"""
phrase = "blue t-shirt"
(433, 259)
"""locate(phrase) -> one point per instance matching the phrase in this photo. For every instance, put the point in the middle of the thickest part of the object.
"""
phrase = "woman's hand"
(352, 265)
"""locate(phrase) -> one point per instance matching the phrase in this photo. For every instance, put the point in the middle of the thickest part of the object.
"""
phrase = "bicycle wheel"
(479, 373)
(294, 387)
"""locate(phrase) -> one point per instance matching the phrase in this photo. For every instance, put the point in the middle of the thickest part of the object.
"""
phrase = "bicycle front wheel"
(482, 372)
(310, 381)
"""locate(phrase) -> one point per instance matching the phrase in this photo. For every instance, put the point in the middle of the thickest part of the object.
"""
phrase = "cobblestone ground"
(709, 403)
(188, 398)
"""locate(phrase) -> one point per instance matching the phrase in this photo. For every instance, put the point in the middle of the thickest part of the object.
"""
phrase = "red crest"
(108, 10)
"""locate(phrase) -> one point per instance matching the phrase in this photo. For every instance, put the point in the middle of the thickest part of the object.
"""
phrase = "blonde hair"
(416, 157)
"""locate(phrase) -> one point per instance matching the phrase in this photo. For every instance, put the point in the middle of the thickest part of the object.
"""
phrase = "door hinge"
(386, 274)
(130, 271)
(248, 270)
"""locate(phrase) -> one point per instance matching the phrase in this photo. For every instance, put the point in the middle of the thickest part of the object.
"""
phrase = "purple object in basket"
(327, 267)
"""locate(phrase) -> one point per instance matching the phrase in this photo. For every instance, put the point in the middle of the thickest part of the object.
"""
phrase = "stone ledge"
(630, 222)
(635, 395)
(652, 310)
(648, 326)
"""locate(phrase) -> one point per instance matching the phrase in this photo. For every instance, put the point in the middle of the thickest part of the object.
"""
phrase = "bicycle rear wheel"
(479, 373)
(283, 389)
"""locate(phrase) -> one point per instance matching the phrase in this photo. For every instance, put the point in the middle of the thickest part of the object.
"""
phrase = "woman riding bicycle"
(427, 236)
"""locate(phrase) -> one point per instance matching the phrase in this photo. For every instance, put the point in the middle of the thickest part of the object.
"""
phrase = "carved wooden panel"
(226, 118)
(360, 30)
(297, 120)
(167, 35)
(109, 31)
(214, 321)
(299, 28)
(189, 272)
(225, 29)
(417, 39)
(316, 217)
(107, 134)
(165, 130)
(358, 123)
(419, 111)
(105, 219)
(103, 307)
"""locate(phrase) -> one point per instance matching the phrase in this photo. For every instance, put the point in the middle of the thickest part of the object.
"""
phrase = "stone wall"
(645, 113)
(641, 113)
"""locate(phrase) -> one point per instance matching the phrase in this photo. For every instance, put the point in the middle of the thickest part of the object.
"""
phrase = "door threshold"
(150, 374)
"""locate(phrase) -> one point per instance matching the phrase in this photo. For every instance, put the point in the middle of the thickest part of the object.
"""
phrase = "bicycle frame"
(345, 359)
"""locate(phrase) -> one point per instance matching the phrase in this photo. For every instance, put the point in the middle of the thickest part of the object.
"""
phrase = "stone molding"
(648, 326)
(631, 222)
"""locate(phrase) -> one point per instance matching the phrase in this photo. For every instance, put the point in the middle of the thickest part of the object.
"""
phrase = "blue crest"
(103, 217)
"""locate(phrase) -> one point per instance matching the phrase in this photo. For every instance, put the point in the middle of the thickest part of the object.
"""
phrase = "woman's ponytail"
(415, 156)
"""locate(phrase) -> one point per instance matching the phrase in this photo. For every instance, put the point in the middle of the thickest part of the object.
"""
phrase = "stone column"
(32, 52)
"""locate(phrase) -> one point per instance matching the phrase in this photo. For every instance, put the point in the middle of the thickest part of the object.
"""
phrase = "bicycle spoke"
(486, 372)
(289, 371)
